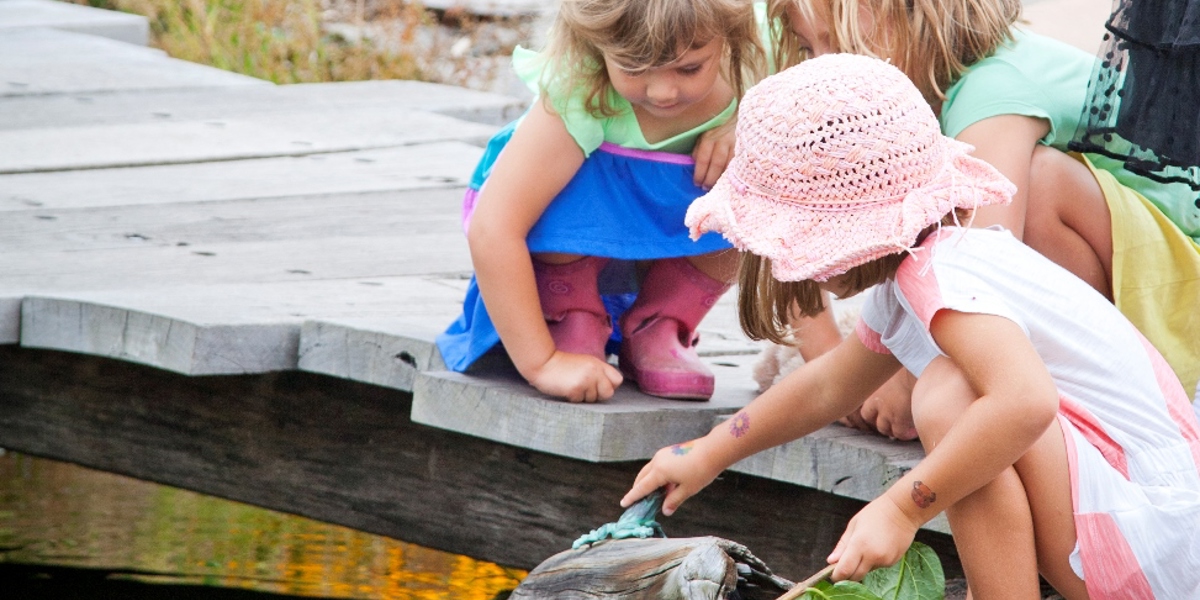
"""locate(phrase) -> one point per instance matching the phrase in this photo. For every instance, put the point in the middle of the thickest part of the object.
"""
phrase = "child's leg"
(1047, 482)
(1020, 523)
(993, 527)
(721, 266)
(1068, 219)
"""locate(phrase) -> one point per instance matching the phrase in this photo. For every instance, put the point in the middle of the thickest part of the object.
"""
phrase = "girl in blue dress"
(631, 124)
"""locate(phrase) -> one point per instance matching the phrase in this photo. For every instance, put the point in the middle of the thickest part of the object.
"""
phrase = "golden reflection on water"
(54, 513)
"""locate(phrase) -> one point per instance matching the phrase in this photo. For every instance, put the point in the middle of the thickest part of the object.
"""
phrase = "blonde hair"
(767, 306)
(932, 41)
(643, 34)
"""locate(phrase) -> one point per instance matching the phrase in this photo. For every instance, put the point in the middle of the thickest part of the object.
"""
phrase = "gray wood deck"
(27, 14)
(167, 214)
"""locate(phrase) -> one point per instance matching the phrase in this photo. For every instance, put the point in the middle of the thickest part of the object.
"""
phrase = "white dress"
(1133, 441)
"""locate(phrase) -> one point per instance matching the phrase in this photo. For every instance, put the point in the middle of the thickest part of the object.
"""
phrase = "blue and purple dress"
(626, 202)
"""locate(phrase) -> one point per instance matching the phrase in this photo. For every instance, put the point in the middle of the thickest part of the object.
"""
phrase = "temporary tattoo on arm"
(739, 424)
(922, 495)
(681, 449)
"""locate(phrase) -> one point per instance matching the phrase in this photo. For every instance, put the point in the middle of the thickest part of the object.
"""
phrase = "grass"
(290, 41)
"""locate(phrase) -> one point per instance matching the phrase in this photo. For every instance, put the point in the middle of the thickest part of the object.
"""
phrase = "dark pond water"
(71, 532)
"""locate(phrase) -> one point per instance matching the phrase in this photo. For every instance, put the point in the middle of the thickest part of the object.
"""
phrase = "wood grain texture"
(297, 133)
(117, 106)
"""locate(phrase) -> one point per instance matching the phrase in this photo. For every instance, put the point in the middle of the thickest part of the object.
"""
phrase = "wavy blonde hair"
(932, 41)
(643, 34)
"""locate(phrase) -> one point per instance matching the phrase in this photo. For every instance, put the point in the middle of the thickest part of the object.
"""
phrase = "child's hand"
(576, 377)
(877, 536)
(888, 411)
(682, 468)
(712, 153)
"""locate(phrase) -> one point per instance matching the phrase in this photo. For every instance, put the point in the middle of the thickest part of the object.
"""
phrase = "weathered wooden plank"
(141, 247)
(842, 461)
(215, 103)
(293, 260)
(139, 275)
(39, 62)
(499, 406)
(156, 339)
(347, 453)
(123, 27)
(386, 350)
(341, 182)
(221, 329)
(256, 136)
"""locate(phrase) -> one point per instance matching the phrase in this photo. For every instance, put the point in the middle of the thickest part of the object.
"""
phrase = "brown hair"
(932, 41)
(643, 34)
(767, 306)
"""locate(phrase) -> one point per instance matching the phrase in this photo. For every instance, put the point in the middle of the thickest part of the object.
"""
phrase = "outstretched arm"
(534, 167)
(807, 399)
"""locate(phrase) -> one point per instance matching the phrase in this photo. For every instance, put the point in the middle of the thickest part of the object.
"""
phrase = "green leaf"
(842, 590)
(918, 576)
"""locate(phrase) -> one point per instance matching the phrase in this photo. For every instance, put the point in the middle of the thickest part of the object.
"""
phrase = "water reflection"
(59, 514)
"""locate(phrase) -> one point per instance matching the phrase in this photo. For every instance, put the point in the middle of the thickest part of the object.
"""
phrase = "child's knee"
(939, 397)
(1058, 184)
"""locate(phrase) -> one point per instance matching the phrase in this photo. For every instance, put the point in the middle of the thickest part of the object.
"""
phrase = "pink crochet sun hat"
(839, 161)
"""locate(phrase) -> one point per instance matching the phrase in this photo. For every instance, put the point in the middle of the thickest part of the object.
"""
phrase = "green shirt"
(589, 131)
(1037, 76)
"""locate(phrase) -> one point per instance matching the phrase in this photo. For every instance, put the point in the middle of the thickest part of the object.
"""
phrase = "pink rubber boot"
(571, 304)
(658, 349)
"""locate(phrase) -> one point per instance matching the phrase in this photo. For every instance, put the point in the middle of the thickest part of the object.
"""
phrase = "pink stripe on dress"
(468, 208)
(921, 290)
(1091, 429)
(1072, 461)
(1178, 405)
(870, 338)
(654, 155)
(1110, 568)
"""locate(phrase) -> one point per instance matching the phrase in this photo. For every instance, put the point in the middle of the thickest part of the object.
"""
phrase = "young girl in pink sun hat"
(1057, 440)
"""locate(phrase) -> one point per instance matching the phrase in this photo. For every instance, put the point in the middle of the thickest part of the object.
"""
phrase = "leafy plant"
(918, 576)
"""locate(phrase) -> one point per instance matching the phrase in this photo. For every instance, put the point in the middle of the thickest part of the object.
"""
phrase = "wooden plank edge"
(155, 340)
(627, 427)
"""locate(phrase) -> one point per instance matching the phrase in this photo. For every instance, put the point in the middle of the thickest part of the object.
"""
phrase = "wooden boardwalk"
(232, 286)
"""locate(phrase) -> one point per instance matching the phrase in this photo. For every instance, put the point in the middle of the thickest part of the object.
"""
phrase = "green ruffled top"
(588, 130)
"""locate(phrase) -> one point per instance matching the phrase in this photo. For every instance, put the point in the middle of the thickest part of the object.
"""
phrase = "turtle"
(638, 521)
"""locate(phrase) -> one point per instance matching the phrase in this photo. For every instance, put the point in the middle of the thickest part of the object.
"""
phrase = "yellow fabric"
(1156, 277)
